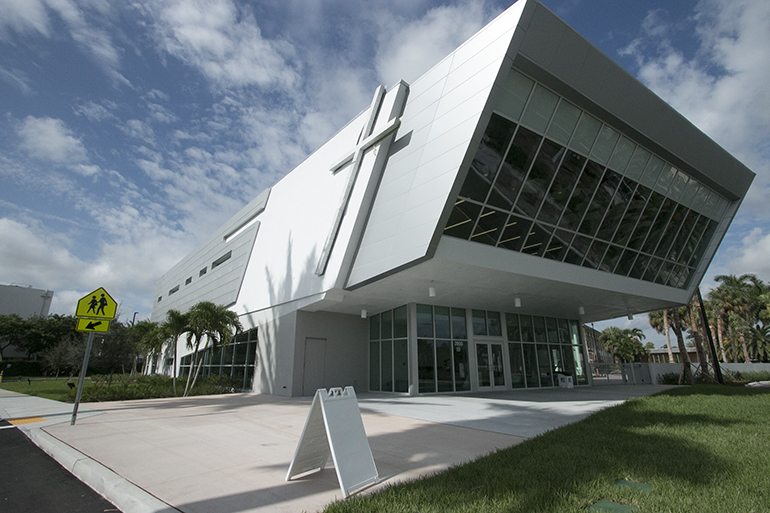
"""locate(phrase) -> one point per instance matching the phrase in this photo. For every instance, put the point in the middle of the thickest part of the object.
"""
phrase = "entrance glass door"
(489, 365)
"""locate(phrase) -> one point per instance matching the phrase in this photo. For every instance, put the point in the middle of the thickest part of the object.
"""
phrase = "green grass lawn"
(702, 449)
(55, 389)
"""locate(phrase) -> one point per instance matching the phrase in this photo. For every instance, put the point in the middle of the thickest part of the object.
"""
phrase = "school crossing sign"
(95, 311)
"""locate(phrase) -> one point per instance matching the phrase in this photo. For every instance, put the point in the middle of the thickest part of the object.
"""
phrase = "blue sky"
(129, 131)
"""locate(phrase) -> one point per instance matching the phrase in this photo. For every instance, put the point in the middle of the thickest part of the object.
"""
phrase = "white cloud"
(161, 114)
(127, 264)
(407, 50)
(17, 79)
(224, 43)
(25, 257)
(95, 112)
(82, 19)
(86, 170)
(95, 40)
(723, 89)
(50, 139)
(140, 130)
(23, 16)
(753, 255)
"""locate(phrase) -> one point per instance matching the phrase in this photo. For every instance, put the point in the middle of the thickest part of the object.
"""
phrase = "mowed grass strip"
(55, 389)
(702, 449)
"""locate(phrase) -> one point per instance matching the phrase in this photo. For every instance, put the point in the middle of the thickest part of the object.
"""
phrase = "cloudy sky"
(129, 131)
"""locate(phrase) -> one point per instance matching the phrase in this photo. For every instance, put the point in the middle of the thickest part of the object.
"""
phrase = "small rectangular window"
(219, 261)
(159, 298)
(202, 271)
(188, 281)
(174, 290)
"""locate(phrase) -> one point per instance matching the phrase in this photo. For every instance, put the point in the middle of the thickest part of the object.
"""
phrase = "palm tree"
(210, 322)
(147, 339)
(678, 326)
(696, 332)
(624, 344)
(173, 328)
(741, 295)
(659, 322)
(759, 344)
(716, 306)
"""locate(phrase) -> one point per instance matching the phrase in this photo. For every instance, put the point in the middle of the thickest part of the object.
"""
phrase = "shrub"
(669, 378)
(21, 369)
(124, 387)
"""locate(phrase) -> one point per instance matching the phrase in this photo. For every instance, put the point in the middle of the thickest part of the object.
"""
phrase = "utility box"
(565, 381)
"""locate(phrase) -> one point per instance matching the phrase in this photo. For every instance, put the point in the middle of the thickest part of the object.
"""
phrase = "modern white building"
(456, 234)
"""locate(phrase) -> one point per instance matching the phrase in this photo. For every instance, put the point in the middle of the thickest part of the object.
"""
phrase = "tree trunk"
(195, 378)
(733, 344)
(668, 337)
(698, 338)
(686, 371)
(746, 356)
(193, 364)
(720, 337)
(174, 365)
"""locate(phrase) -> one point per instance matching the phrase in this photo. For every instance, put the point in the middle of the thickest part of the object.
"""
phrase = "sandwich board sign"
(334, 428)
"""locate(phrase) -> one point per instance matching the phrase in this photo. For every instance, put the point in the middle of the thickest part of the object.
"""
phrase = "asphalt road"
(33, 482)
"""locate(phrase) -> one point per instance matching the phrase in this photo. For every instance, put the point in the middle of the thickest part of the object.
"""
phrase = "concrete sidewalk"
(231, 453)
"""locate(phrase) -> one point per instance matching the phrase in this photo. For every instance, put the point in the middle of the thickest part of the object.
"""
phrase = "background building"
(25, 302)
(456, 234)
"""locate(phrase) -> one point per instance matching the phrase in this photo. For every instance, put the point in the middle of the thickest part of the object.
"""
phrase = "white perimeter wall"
(656, 369)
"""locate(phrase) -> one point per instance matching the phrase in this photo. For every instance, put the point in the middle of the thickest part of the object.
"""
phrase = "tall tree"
(174, 326)
(12, 331)
(624, 344)
(696, 331)
(741, 295)
(678, 327)
(212, 324)
(46, 332)
(146, 337)
(759, 342)
(659, 322)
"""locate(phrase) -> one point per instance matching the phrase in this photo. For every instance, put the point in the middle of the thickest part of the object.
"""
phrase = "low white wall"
(745, 367)
(656, 369)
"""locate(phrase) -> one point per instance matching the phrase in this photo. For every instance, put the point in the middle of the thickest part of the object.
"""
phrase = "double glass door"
(489, 364)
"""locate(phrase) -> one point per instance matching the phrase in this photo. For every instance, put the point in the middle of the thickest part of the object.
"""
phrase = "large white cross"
(366, 141)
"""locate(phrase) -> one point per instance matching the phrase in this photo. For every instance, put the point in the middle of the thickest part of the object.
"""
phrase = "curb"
(128, 497)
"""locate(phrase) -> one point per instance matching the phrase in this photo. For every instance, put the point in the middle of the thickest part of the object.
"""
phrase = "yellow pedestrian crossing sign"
(93, 325)
(97, 305)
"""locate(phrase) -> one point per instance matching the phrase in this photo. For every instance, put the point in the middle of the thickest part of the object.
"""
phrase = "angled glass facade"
(553, 181)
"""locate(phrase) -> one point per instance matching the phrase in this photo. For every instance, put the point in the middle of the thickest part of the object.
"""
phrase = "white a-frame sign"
(334, 428)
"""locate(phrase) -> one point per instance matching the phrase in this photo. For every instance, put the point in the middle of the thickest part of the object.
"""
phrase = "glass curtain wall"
(550, 180)
(235, 360)
(541, 348)
(442, 349)
(389, 351)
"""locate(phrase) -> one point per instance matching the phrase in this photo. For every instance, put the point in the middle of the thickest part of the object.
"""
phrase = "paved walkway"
(227, 454)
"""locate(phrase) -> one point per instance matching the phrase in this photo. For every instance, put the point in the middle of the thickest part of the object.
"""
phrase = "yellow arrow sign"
(97, 305)
(93, 325)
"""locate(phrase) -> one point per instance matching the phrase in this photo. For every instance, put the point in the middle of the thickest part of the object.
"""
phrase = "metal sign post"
(94, 312)
(82, 378)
